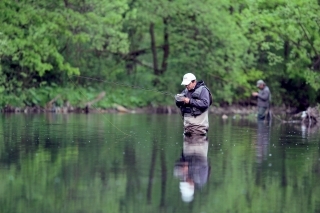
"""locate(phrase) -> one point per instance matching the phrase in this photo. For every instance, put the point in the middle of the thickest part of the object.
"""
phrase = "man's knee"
(262, 113)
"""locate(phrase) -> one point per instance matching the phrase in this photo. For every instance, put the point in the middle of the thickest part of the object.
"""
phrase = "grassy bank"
(108, 100)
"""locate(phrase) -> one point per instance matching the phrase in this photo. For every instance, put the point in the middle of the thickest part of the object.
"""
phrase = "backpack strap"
(197, 92)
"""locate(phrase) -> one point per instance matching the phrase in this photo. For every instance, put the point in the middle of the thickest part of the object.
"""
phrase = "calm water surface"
(142, 163)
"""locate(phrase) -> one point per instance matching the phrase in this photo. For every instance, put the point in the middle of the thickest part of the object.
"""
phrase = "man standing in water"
(194, 102)
(264, 97)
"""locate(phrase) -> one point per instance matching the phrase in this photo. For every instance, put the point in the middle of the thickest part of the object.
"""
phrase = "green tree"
(229, 44)
(285, 35)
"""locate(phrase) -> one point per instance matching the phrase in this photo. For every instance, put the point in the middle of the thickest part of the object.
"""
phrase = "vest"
(194, 111)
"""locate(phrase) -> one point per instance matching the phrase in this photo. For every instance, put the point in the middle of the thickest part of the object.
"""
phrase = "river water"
(142, 163)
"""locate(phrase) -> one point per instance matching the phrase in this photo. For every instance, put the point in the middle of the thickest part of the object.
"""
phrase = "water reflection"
(307, 130)
(192, 168)
(262, 145)
(262, 150)
(79, 163)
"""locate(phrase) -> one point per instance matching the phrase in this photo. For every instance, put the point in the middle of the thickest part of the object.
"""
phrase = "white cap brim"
(185, 82)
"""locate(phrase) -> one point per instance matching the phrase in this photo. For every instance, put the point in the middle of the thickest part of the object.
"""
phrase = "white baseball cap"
(260, 82)
(187, 78)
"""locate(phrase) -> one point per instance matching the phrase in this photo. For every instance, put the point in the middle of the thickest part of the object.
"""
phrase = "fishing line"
(126, 85)
(106, 117)
(120, 84)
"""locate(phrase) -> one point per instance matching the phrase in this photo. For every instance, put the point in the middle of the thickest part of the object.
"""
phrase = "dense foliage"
(230, 44)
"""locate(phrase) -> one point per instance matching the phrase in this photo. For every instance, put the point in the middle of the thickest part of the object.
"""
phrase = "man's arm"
(203, 102)
(264, 95)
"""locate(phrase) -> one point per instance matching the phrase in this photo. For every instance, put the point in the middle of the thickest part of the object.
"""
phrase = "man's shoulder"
(266, 88)
(204, 88)
(200, 89)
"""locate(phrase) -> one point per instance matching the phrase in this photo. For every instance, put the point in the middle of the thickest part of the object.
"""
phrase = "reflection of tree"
(65, 173)
(283, 167)
(307, 130)
(133, 187)
(55, 169)
(151, 171)
(163, 178)
(151, 177)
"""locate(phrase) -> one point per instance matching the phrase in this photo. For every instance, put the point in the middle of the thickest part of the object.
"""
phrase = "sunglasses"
(190, 83)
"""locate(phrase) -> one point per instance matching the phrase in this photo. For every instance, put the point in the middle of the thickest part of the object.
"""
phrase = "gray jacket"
(264, 97)
(201, 103)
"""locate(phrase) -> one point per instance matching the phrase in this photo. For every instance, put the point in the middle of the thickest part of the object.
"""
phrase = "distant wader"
(264, 99)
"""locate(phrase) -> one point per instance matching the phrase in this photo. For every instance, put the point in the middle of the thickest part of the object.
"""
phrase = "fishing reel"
(179, 97)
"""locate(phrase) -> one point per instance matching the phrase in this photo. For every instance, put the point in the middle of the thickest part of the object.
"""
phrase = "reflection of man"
(264, 97)
(262, 150)
(192, 168)
(262, 142)
(194, 102)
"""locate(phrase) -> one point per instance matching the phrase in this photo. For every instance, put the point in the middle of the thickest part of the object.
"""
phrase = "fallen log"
(90, 103)
(120, 108)
(310, 117)
(50, 103)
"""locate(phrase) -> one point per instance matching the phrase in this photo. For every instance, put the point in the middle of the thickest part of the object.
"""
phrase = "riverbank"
(227, 110)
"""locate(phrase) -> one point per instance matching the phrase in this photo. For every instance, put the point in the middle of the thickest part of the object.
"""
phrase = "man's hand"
(255, 94)
(186, 100)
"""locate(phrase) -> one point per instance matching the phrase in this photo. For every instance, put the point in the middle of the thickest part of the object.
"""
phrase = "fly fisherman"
(264, 97)
(194, 102)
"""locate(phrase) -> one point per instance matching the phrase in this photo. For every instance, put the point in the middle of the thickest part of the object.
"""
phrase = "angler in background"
(194, 102)
(264, 98)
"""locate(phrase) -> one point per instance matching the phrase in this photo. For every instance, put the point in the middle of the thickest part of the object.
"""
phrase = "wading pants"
(262, 113)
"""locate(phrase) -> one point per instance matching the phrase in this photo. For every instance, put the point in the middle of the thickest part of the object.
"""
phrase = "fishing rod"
(177, 97)
(126, 85)
(117, 128)
(122, 84)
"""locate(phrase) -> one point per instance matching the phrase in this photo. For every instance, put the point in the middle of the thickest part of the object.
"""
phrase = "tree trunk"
(154, 49)
(166, 47)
